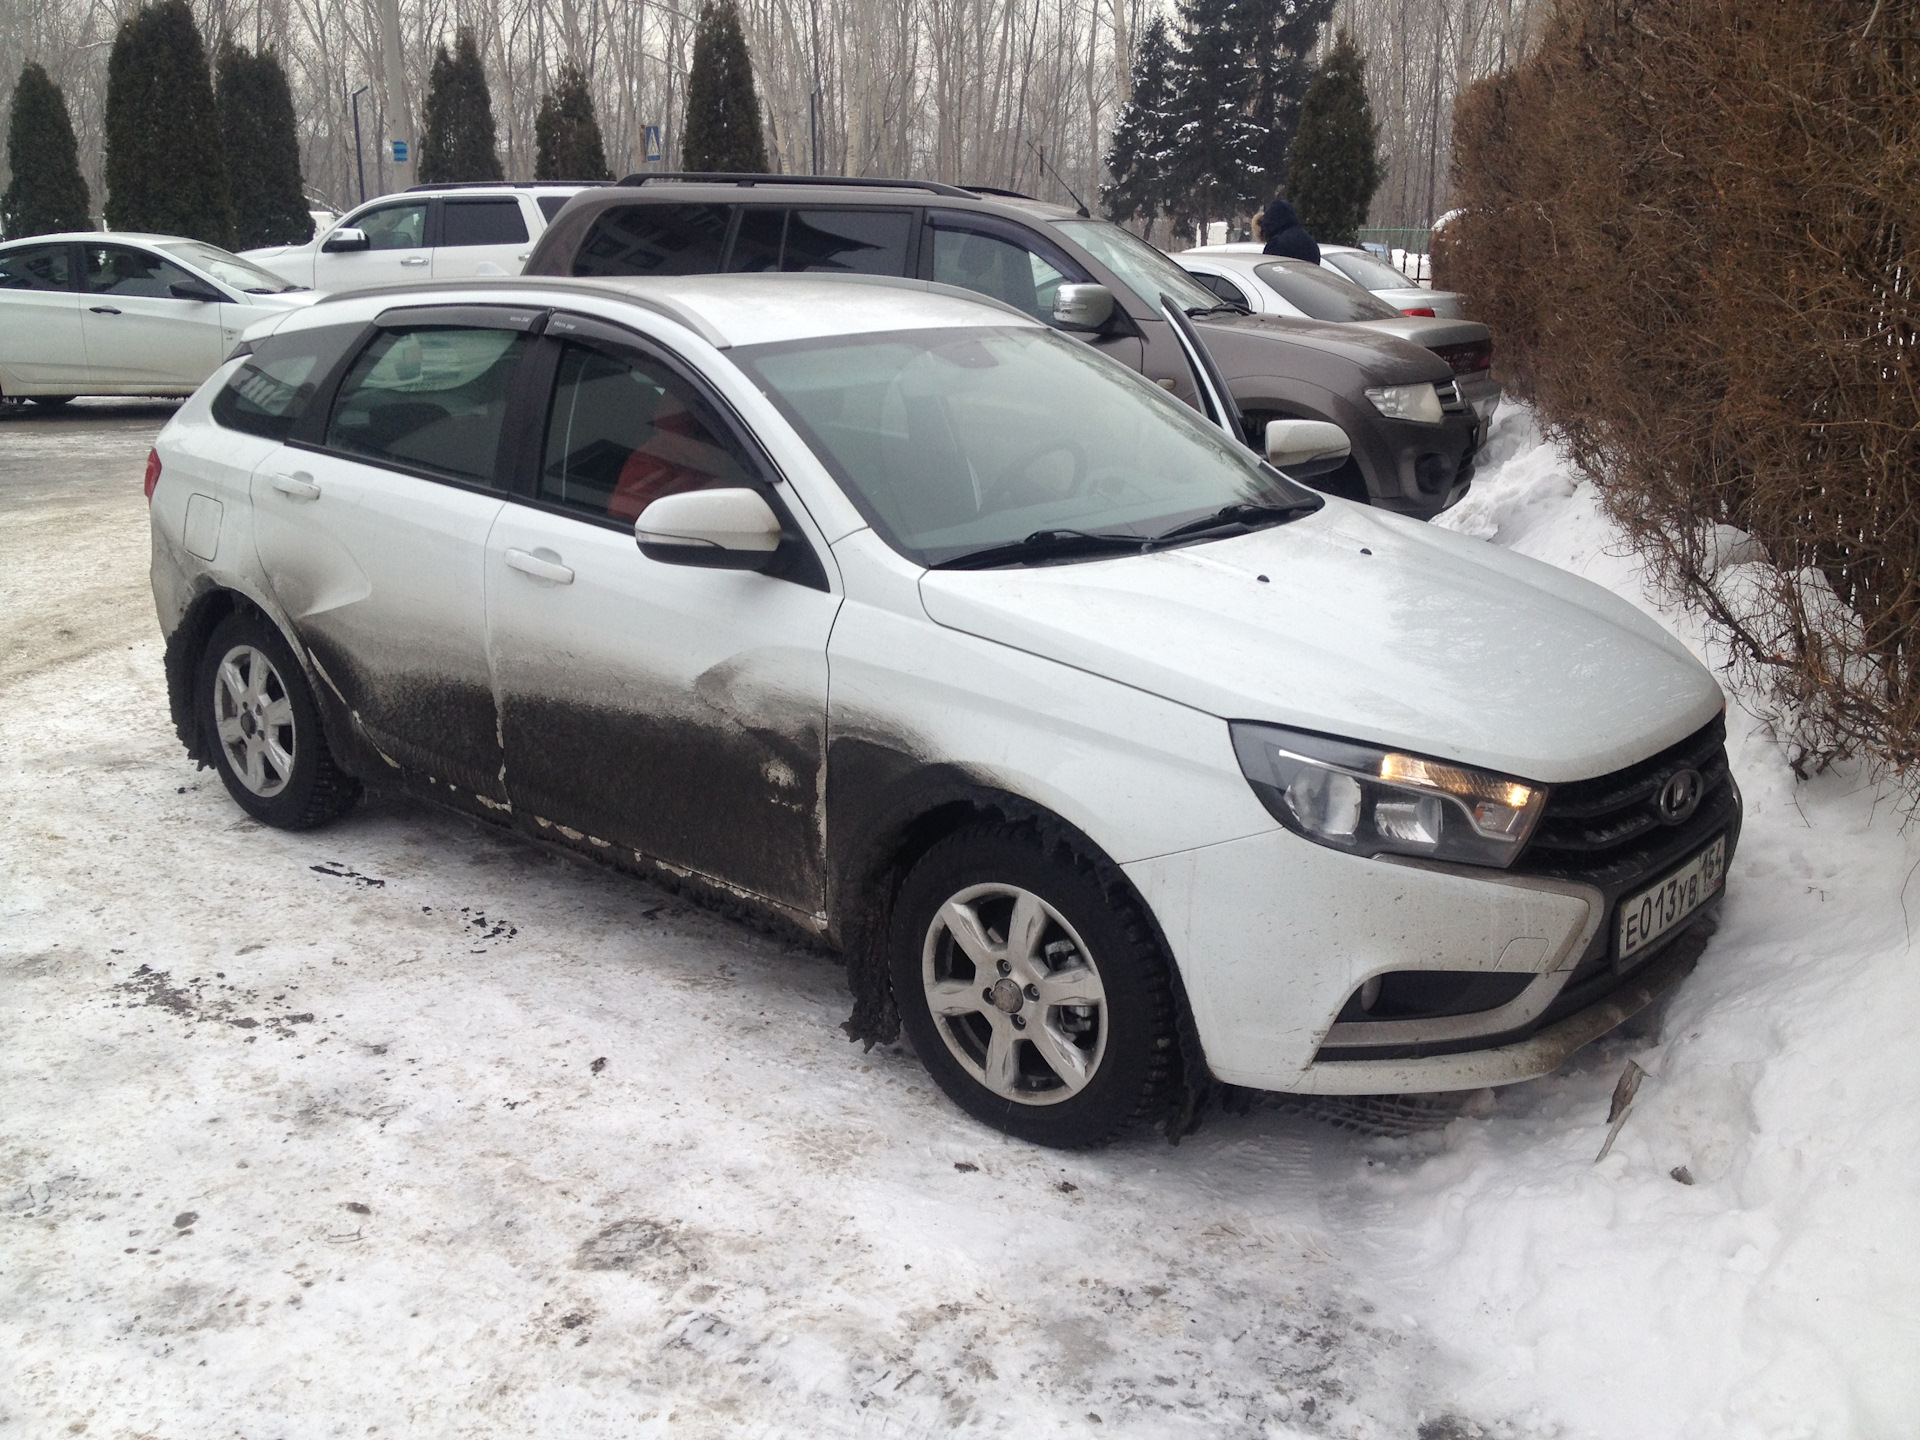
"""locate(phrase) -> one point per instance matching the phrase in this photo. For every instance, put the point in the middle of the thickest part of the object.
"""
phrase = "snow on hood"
(1432, 642)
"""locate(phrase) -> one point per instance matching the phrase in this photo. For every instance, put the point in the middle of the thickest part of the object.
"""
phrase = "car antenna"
(1041, 156)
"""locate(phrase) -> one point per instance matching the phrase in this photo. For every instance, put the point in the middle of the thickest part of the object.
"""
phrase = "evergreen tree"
(1281, 39)
(47, 193)
(166, 167)
(723, 114)
(263, 150)
(1335, 170)
(1141, 159)
(566, 134)
(458, 142)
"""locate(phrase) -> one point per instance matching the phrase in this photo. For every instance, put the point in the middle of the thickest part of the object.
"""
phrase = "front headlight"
(1407, 402)
(1368, 800)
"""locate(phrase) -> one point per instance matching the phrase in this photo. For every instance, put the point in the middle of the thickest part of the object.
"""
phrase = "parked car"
(1369, 272)
(1140, 762)
(121, 314)
(439, 232)
(1414, 436)
(1267, 285)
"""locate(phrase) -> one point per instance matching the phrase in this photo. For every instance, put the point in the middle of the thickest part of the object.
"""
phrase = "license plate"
(1645, 917)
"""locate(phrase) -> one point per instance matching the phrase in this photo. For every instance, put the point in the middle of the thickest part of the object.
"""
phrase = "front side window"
(481, 222)
(268, 394)
(37, 267)
(1322, 294)
(623, 431)
(429, 398)
(655, 240)
(998, 267)
(957, 441)
(394, 227)
(122, 270)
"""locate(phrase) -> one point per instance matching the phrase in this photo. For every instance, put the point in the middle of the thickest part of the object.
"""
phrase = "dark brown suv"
(1413, 436)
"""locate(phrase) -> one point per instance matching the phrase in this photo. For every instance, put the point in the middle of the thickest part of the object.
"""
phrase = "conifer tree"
(263, 150)
(1334, 169)
(1216, 169)
(723, 114)
(1281, 35)
(1141, 158)
(166, 166)
(458, 141)
(47, 193)
(566, 134)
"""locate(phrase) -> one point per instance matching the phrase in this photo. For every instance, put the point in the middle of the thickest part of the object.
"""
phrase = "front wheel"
(51, 402)
(1031, 986)
(261, 723)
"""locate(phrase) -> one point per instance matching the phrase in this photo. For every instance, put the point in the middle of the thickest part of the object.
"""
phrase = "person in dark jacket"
(1284, 233)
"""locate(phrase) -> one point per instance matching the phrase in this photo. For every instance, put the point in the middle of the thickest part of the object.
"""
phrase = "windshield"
(1365, 271)
(954, 441)
(230, 269)
(1146, 271)
(1322, 294)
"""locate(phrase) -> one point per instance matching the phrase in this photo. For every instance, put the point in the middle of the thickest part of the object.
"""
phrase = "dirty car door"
(674, 714)
(373, 538)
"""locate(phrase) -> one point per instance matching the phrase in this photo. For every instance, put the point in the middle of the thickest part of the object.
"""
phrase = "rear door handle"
(539, 567)
(103, 310)
(414, 260)
(299, 487)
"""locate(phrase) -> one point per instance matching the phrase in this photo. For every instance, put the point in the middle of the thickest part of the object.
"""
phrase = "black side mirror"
(194, 290)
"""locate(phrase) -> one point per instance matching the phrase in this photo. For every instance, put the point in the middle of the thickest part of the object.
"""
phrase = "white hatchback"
(122, 314)
(1116, 763)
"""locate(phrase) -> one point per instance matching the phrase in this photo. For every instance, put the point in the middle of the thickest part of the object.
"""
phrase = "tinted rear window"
(267, 395)
(552, 205)
(482, 222)
(655, 240)
(848, 242)
(1323, 295)
(432, 398)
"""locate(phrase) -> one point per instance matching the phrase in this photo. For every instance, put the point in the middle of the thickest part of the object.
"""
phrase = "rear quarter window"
(268, 395)
(481, 222)
(655, 240)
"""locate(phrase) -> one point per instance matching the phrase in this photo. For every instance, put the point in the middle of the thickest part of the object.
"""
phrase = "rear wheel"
(1031, 986)
(264, 729)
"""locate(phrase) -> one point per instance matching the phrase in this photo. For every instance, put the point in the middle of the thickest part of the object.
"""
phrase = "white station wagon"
(1117, 763)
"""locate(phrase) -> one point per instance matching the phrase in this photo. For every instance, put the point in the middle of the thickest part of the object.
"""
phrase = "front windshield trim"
(1139, 265)
(1279, 491)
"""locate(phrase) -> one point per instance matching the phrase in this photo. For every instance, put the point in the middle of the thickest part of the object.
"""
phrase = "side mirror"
(345, 238)
(733, 529)
(1082, 307)
(1302, 448)
(194, 290)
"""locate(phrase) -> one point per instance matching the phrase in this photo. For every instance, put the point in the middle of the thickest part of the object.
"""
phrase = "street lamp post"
(359, 157)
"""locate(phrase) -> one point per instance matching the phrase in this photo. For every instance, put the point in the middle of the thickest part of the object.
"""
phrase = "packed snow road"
(406, 1128)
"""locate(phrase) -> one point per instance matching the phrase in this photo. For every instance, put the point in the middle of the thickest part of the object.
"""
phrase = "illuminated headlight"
(1407, 402)
(1367, 800)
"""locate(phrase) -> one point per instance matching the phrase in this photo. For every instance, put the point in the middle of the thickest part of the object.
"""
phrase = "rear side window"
(655, 240)
(268, 395)
(37, 267)
(429, 398)
(848, 242)
(482, 222)
(624, 431)
(756, 244)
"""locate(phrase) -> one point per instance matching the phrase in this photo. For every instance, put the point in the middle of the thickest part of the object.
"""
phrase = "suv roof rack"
(498, 184)
(995, 190)
(747, 179)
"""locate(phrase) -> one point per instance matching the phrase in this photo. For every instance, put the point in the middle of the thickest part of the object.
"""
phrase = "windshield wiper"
(1194, 311)
(1243, 516)
(1045, 545)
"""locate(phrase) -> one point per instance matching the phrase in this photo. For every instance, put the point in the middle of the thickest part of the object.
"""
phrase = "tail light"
(1426, 310)
(1466, 359)
(153, 472)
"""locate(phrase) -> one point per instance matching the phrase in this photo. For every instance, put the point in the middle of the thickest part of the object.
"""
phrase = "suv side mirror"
(345, 238)
(731, 529)
(194, 290)
(1301, 448)
(1082, 307)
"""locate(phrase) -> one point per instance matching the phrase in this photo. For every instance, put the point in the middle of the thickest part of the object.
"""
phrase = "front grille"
(1451, 401)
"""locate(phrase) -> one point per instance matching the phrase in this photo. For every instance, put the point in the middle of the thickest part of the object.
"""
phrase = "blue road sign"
(399, 152)
(653, 144)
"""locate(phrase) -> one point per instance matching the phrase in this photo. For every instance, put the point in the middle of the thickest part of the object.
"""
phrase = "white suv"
(1116, 762)
(431, 232)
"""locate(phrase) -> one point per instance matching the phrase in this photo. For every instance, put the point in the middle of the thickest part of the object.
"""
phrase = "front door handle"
(414, 260)
(540, 567)
(103, 310)
(299, 487)
(522, 256)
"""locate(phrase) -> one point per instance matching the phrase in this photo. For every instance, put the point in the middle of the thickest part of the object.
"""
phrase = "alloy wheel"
(254, 719)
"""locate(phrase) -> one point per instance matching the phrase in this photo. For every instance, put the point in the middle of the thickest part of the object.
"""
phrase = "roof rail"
(746, 179)
(995, 190)
(497, 184)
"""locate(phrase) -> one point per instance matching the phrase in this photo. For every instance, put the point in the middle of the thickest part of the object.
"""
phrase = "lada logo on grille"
(1680, 797)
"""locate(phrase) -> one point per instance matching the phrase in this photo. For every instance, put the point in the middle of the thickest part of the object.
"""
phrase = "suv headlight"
(1367, 800)
(1407, 402)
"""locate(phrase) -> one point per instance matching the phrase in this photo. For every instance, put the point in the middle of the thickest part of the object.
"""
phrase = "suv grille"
(1450, 398)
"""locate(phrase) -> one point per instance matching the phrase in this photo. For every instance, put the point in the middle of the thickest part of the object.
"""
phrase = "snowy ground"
(403, 1129)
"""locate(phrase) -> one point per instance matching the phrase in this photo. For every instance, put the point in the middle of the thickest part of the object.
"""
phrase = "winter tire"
(259, 719)
(1031, 986)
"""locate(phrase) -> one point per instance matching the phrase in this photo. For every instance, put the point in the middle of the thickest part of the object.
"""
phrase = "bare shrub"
(1693, 224)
